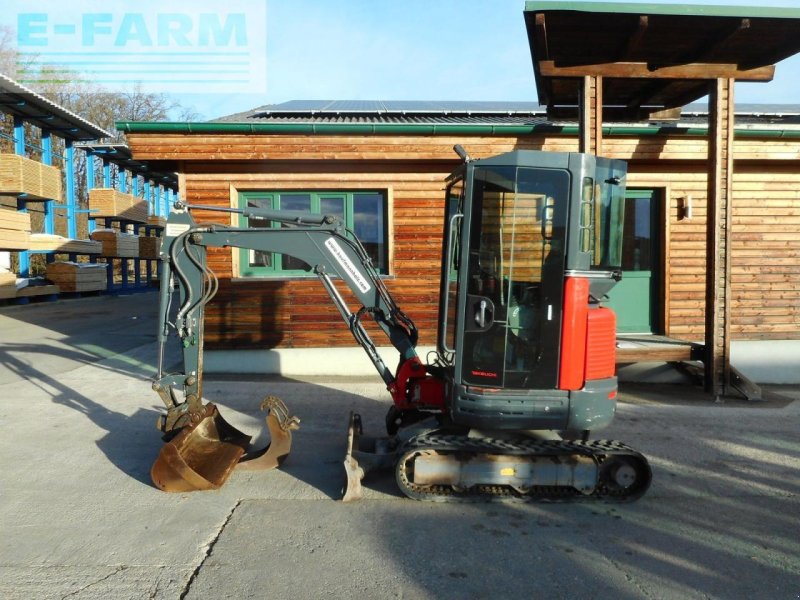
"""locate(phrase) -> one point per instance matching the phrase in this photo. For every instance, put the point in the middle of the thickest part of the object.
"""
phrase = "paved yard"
(79, 517)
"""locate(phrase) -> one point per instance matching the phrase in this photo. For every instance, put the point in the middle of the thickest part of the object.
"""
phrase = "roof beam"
(541, 51)
(633, 43)
(712, 43)
(638, 70)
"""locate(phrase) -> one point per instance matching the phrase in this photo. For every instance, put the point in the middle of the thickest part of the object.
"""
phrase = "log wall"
(292, 313)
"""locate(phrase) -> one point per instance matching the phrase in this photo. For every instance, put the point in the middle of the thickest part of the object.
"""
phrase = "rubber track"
(600, 450)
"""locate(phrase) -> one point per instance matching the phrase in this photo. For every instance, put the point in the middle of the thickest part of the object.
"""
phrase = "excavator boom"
(206, 448)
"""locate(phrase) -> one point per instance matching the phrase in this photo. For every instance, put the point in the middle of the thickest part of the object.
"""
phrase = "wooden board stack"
(116, 244)
(15, 230)
(148, 247)
(8, 285)
(78, 277)
(57, 243)
(20, 175)
(108, 202)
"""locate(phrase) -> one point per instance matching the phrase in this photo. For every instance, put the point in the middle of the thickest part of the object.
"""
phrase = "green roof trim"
(430, 129)
(703, 10)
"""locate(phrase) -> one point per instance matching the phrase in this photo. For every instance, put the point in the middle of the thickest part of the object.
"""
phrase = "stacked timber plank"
(108, 202)
(20, 175)
(56, 243)
(15, 230)
(148, 247)
(157, 221)
(29, 291)
(78, 277)
(116, 244)
(8, 285)
(12, 286)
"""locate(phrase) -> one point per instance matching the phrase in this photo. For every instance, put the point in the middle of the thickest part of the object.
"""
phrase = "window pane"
(296, 202)
(369, 224)
(332, 205)
(637, 235)
(300, 202)
(256, 257)
(609, 211)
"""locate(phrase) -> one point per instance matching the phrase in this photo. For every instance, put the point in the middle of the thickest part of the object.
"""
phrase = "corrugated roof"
(398, 106)
(389, 111)
(16, 99)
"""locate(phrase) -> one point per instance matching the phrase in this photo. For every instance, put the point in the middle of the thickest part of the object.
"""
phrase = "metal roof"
(18, 100)
(653, 56)
(387, 111)
(397, 106)
(120, 154)
(332, 112)
(777, 121)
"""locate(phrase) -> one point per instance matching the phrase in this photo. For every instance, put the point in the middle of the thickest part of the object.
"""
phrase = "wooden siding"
(250, 313)
(765, 249)
(291, 313)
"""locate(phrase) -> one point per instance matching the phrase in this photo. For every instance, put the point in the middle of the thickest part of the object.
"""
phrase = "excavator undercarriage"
(524, 366)
(455, 466)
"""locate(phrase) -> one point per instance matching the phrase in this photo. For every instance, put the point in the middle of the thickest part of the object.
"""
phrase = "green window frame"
(365, 213)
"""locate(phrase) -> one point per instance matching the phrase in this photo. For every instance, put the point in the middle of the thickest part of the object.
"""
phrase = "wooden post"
(591, 115)
(718, 237)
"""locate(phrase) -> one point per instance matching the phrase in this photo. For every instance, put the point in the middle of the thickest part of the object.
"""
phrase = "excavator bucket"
(204, 454)
(201, 456)
(280, 425)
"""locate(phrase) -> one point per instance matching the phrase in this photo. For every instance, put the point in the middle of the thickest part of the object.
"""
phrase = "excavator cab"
(532, 244)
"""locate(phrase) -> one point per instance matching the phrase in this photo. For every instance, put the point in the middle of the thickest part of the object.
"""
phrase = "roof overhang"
(120, 154)
(654, 58)
(20, 101)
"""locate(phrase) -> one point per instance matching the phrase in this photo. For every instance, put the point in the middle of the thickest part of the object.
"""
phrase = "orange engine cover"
(601, 344)
(572, 372)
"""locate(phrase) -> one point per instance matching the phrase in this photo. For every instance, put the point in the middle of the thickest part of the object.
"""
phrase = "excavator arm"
(322, 242)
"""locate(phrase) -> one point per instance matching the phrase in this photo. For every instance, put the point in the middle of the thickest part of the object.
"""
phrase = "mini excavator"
(524, 367)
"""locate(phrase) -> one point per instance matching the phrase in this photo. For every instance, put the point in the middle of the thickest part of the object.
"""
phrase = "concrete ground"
(79, 517)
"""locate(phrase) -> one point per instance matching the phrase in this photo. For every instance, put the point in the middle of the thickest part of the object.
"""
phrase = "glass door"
(635, 298)
(515, 271)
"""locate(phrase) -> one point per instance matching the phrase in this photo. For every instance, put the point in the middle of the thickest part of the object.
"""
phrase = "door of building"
(635, 299)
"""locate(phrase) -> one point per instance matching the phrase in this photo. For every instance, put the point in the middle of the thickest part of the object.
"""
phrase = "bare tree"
(85, 98)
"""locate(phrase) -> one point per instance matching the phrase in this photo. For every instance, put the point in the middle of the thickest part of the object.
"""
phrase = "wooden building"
(384, 164)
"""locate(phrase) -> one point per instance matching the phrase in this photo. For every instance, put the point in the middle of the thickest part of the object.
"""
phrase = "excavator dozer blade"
(353, 472)
(202, 456)
(280, 425)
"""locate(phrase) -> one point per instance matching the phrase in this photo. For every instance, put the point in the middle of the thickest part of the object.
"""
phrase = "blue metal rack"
(54, 134)
(117, 170)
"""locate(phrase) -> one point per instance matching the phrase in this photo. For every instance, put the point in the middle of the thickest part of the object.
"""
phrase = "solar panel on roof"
(398, 106)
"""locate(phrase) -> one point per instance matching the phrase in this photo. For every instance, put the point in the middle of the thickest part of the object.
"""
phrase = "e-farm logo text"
(174, 47)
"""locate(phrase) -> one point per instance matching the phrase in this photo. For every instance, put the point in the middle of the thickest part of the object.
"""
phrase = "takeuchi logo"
(484, 374)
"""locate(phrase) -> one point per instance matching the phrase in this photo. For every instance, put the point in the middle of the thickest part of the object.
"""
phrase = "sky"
(330, 49)
(419, 50)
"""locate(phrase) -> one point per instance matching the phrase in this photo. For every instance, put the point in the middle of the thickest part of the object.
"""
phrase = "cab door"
(513, 277)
